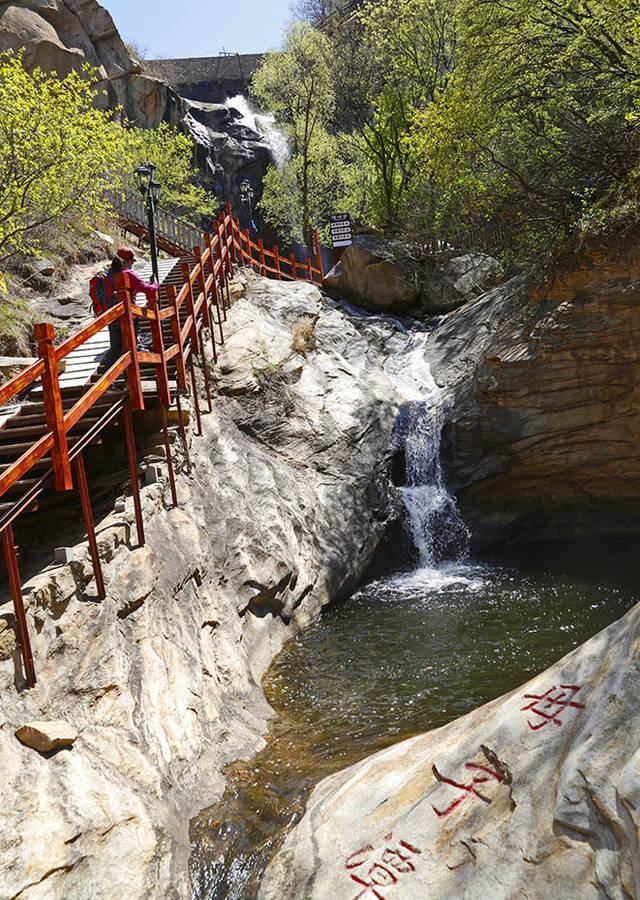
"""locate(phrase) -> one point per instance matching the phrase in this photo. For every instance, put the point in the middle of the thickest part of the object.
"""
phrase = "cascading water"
(409, 651)
(435, 526)
(263, 124)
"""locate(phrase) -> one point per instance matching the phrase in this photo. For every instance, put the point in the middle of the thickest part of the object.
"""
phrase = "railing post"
(177, 338)
(238, 231)
(207, 323)
(133, 469)
(129, 341)
(316, 240)
(85, 500)
(186, 277)
(223, 274)
(54, 412)
(293, 266)
(162, 376)
(167, 449)
(276, 261)
(214, 290)
(309, 272)
(202, 281)
(247, 238)
(18, 604)
(263, 271)
(232, 246)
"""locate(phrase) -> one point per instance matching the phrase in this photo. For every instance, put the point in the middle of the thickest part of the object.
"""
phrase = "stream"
(408, 652)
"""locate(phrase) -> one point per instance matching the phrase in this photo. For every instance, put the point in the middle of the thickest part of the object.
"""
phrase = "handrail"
(190, 314)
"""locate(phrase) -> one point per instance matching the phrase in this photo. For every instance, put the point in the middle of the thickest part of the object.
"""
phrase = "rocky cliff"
(544, 403)
(61, 35)
(161, 680)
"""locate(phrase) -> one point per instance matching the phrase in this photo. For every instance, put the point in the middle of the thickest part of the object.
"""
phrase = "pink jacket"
(138, 286)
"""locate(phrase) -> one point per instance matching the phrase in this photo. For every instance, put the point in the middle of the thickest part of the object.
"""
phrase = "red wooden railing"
(198, 309)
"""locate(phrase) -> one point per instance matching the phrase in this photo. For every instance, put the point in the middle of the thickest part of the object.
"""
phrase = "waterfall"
(263, 124)
(436, 528)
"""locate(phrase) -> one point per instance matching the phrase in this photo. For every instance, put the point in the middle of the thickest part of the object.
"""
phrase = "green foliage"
(296, 86)
(535, 130)
(172, 153)
(56, 152)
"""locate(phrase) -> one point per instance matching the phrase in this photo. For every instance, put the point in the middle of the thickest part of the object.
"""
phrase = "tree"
(389, 60)
(535, 128)
(172, 153)
(56, 152)
(296, 86)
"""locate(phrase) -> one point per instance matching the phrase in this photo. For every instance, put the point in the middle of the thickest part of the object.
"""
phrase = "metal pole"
(151, 215)
(81, 478)
(18, 604)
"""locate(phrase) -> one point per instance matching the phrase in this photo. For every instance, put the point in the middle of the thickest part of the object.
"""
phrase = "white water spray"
(435, 525)
(263, 124)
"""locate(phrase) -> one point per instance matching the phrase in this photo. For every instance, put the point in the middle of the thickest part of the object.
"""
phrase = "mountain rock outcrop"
(63, 35)
(382, 277)
(536, 794)
(544, 403)
(279, 514)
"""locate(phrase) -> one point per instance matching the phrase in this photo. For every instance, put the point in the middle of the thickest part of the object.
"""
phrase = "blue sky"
(199, 27)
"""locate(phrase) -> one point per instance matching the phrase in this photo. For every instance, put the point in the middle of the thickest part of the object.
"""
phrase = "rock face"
(370, 274)
(536, 794)
(544, 405)
(277, 516)
(62, 35)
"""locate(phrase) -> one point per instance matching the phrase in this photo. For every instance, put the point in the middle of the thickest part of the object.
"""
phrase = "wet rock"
(46, 736)
(535, 794)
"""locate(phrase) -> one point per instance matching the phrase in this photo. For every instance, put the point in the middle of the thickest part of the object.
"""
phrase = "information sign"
(341, 230)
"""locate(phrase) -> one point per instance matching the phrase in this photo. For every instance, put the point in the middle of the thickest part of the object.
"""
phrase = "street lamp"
(151, 191)
(246, 196)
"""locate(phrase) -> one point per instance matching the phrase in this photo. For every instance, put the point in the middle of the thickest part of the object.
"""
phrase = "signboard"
(341, 230)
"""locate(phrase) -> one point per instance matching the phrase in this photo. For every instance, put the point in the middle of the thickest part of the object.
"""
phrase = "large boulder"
(382, 277)
(536, 794)
(366, 277)
(544, 404)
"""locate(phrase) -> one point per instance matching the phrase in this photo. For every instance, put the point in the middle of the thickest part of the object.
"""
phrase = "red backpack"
(101, 291)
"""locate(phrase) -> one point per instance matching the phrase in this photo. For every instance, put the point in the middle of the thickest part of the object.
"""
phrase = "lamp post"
(150, 190)
(246, 196)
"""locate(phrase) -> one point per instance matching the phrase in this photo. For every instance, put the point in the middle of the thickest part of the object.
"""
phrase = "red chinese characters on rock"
(481, 775)
(373, 868)
(549, 706)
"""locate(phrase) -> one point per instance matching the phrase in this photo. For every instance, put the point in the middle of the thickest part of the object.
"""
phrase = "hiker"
(104, 296)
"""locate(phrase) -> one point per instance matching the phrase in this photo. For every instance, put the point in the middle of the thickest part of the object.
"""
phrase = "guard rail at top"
(175, 235)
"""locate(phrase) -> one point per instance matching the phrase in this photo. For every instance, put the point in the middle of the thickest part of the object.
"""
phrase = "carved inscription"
(480, 775)
(375, 868)
(548, 707)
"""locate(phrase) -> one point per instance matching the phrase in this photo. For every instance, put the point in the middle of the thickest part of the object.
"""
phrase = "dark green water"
(405, 654)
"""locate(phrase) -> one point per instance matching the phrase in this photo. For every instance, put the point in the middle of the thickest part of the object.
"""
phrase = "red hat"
(126, 253)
